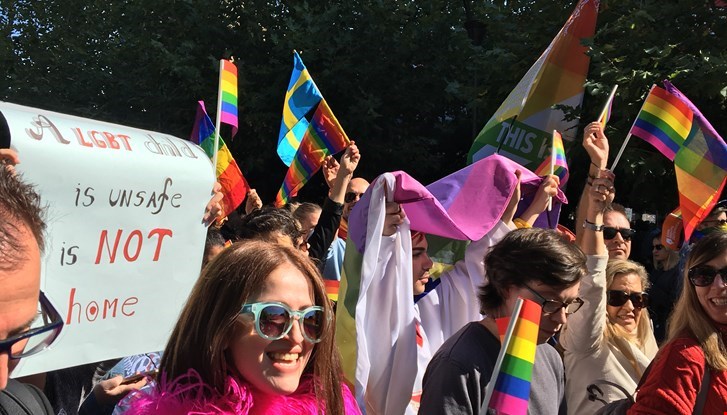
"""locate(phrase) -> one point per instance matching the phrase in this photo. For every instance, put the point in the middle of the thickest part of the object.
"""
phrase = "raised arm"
(596, 144)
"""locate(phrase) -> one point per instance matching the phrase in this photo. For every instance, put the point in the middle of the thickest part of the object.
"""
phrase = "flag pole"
(628, 137)
(500, 357)
(609, 102)
(217, 121)
(499, 146)
(552, 167)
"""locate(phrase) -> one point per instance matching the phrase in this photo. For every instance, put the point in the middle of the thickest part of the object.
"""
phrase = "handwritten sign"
(125, 234)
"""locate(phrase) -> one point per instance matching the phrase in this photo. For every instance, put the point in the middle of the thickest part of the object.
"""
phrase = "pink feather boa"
(188, 398)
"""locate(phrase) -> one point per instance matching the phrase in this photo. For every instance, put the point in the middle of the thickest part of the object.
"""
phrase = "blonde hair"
(688, 316)
(672, 257)
(615, 333)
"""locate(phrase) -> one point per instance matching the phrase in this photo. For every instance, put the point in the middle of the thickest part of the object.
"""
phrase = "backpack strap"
(703, 390)
(21, 399)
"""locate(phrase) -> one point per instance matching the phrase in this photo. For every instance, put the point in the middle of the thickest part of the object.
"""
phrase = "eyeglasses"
(610, 232)
(44, 329)
(658, 247)
(617, 298)
(274, 320)
(702, 275)
(351, 196)
(554, 306)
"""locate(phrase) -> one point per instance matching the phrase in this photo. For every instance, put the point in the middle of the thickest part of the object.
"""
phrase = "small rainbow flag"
(228, 94)
(332, 287)
(561, 165)
(508, 391)
(234, 185)
(606, 113)
(664, 121)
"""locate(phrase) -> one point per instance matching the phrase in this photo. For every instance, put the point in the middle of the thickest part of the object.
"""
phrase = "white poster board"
(125, 233)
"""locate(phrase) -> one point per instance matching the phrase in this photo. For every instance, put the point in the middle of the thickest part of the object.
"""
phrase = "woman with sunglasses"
(610, 339)
(255, 337)
(693, 363)
(664, 280)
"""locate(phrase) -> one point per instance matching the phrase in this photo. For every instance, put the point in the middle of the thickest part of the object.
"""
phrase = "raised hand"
(330, 170)
(253, 202)
(596, 144)
(349, 160)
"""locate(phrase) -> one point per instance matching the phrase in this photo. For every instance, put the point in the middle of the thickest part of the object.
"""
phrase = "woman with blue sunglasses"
(689, 375)
(255, 337)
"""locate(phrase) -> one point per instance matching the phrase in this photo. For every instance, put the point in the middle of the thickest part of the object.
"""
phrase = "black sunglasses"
(702, 275)
(617, 298)
(43, 331)
(351, 196)
(658, 247)
(610, 232)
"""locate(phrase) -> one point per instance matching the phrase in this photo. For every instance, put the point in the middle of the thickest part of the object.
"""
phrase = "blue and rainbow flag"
(234, 185)
(561, 164)
(508, 391)
(301, 97)
(309, 121)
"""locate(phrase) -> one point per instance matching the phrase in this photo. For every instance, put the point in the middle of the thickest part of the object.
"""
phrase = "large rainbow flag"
(300, 98)
(664, 121)
(317, 130)
(234, 185)
(508, 391)
(556, 78)
(560, 165)
(228, 94)
(700, 165)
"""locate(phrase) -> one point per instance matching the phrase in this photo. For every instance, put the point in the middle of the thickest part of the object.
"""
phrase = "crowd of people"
(259, 335)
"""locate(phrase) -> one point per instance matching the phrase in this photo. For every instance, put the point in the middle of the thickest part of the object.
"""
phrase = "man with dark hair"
(535, 264)
(21, 302)
(271, 224)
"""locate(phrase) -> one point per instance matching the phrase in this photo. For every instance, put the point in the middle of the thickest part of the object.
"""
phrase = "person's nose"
(296, 333)
(559, 316)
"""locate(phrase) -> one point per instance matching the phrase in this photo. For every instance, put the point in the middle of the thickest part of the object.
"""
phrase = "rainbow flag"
(228, 94)
(664, 121)
(508, 391)
(556, 78)
(318, 132)
(234, 185)
(561, 165)
(332, 287)
(606, 113)
(300, 98)
(700, 165)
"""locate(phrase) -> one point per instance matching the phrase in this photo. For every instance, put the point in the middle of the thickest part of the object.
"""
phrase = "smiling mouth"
(719, 301)
(284, 358)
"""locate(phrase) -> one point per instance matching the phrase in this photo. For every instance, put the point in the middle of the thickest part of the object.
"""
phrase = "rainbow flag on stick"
(700, 165)
(316, 129)
(508, 391)
(556, 162)
(606, 113)
(234, 185)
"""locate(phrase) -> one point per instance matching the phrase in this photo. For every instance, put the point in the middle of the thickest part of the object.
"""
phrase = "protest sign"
(125, 233)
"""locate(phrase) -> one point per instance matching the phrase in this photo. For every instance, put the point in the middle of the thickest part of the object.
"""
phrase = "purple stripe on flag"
(659, 140)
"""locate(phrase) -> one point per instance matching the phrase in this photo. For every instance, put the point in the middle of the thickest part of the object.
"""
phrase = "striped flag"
(606, 113)
(234, 185)
(560, 165)
(300, 98)
(508, 391)
(700, 165)
(228, 94)
(317, 131)
(522, 124)
(664, 121)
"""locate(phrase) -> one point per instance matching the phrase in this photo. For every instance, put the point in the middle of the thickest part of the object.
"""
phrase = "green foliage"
(402, 77)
